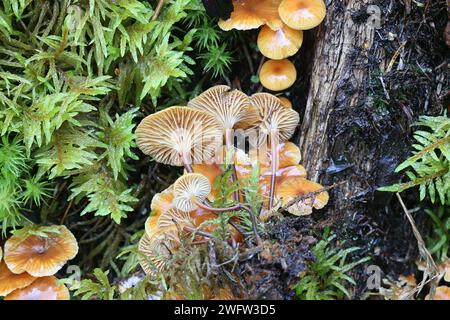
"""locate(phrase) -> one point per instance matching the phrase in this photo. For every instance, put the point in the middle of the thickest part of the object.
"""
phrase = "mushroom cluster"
(30, 260)
(282, 24)
(200, 137)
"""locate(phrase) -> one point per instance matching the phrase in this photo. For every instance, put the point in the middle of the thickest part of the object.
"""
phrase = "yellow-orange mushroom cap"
(251, 14)
(10, 281)
(302, 14)
(38, 255)
(190, 189)
(277, 75)
(293, 187)
(279, 44)
(177, 135)
(285, 102)
(45, 288)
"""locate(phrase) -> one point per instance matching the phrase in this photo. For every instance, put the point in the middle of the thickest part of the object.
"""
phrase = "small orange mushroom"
(285, 102)
(10, 281)
(277, 75)
(251, 14)
(292, 187)
(40, 255)
(45, 288)
(302, 14)
(212, 172)
(279, 44)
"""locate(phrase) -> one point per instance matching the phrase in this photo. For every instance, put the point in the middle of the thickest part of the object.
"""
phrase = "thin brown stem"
(158, 10)
(229, 146)
(274, 165)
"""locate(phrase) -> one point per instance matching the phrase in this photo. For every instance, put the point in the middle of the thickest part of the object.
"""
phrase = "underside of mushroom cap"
(251, 14)
(179, 131)
(190, 189)
(275, 118)
(231, 108)
(154, 251)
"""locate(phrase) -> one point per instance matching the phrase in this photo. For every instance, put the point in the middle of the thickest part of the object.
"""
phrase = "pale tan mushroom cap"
(294, 186)
(40, 256)
(44, 288)
(275, 118)
(189, 189)
(230, 107)
(279, 44)
(176, 131)
(302, 14)
(251, 14)
(277, 75)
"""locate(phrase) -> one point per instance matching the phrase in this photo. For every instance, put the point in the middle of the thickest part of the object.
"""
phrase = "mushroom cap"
(40, 256)
(442, 293)
(176, 131)
(156, 250)
(277, 75)
(231, 108)
(190, 188)
(45, 288)
(292, 187)
(285, 102)
(275, 118)
(212, 172)
(10, 281)
(162, 201)
(279, 44)
(302, 14)
(173, 219)
(251, 14)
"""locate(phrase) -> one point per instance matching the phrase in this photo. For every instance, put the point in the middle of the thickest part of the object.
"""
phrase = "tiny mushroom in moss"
(277, 75)
(40, 255)
(45, 288)
(302, 14)
(190, 191)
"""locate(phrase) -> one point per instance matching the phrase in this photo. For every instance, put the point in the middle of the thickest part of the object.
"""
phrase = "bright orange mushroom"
(302, 14)
(292, 187)
(251, 14)
(45, 288)
(40, 255)
(285, 102)
(10, 281)
(279, 44)
(277, 75)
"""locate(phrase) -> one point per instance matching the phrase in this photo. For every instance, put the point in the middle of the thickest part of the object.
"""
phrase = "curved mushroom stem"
(234, 208)
(274, 165)
(229, 145)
